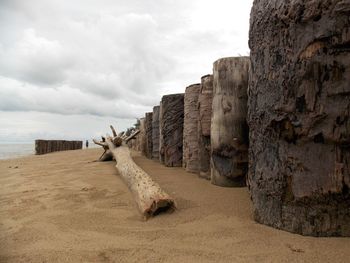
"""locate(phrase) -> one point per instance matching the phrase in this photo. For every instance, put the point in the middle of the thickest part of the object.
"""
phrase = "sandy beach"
(64, 207)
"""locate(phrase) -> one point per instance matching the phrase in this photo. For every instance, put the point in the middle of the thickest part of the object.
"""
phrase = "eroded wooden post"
(190, 135)
(299, 116)
(205, 100)
(148, 135)
(172, 118)
(155, 133)
(142, 137)
(229, 130)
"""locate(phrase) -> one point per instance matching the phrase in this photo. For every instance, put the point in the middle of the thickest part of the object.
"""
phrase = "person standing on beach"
(87, 144)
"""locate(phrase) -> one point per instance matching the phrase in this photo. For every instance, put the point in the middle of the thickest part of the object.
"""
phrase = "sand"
(63, 207)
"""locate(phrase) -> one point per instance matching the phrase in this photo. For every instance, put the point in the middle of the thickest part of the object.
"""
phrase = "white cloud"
(35, 59)
(26, 126)
(111, 58)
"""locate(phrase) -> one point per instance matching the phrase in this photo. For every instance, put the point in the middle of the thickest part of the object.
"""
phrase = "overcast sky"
(68, 69)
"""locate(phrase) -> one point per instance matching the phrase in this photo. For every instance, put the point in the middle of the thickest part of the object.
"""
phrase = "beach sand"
(63, 207)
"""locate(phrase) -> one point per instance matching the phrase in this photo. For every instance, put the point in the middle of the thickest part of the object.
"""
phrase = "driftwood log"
(150, 198)
(205, 100)
(190, 132)
(299, 115)
(155, 133)
(229, 129)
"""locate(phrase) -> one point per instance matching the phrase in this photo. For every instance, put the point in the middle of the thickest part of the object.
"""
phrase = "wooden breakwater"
(277, 121)
(48, 146)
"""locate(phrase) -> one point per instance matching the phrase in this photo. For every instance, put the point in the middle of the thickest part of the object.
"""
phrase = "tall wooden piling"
(190, 135)
(142, 137)
(148, 136)
(299, 116)
(205, 100)
(171, 129)
(229, 130)
(155, 133)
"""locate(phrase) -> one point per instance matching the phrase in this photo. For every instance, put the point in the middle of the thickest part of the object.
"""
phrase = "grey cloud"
(28, 126)
(111, 58)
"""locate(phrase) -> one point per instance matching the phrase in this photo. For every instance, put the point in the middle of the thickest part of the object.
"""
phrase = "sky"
(69, 69)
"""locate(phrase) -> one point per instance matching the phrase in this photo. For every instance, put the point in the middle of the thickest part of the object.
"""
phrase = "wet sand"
(63, 207)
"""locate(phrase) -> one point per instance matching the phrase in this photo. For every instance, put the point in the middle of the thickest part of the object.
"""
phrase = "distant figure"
(87, 144)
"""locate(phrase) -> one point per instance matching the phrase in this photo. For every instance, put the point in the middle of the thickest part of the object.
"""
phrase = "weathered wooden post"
(161, 140)
(155, 133)
(190, 133)
(205, 100)
(229, 130)
(142, 137)
(148, 137)
(299, 116)
(48, 146)
(171, 124)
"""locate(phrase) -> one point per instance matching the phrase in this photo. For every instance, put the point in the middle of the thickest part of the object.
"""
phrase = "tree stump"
(190, 132)
(171, 126)
(205, 100)
(229, 130)
(299, 109)
(155, 133)
(148, 135)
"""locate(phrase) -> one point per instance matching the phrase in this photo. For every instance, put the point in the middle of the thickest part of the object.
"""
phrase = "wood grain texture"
(190, 134)
(229, 130)
(171, 126)
(299, 116)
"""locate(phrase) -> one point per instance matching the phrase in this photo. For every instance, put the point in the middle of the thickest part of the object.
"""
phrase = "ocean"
(14, 150)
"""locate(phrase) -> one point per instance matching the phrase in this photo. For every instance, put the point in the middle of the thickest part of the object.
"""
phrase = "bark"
(190, 131)
(299, 116)
(205, 100)
(155, 133)
(148, 135)
(171, 125)
(229, 130)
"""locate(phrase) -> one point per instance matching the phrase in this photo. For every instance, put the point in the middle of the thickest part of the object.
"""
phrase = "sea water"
(9, 150)
(14, 150)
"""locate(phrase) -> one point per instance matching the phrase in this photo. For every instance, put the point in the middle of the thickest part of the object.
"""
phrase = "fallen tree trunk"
(150, 198)
(107, 154)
